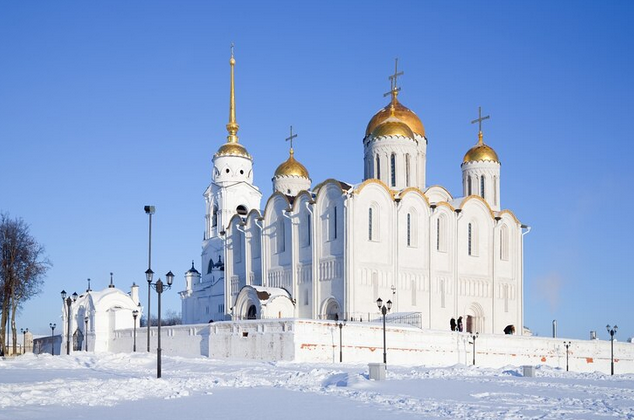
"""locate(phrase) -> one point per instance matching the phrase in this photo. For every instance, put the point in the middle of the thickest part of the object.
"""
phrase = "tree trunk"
(3, 324)
(14, 330)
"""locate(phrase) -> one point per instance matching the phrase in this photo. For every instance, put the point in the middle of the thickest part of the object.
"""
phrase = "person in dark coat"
(460, 324)
(452, 324)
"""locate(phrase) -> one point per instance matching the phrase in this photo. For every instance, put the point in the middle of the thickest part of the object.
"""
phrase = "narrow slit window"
(482, 186)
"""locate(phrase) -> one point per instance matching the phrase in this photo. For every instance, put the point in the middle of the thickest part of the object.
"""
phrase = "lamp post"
(86, 331)
(341, 324)
(23, 331)
(474, 337)
(52, 339)
(384, 310)
(160, 287)
(69, 301)
(135, 313)
(567, 346)
(612, 331)
(149, 210)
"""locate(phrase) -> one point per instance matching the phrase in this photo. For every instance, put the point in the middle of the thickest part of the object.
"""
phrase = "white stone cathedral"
(329, 251)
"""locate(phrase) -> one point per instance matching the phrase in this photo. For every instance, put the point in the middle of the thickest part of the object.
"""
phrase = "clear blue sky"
(108, 106)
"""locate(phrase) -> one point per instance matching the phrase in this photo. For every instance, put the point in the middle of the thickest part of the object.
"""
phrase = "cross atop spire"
(88, 289)
(292, 136)
(111, 285)
(394, 89)
(479, 121)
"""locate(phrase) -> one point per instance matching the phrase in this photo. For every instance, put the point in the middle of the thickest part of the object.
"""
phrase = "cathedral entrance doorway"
(332, 309)
(252, 312)
(474, 319)
(78, 340)
(470, 324)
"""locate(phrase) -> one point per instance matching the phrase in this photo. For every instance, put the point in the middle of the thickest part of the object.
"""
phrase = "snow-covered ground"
(106, 386)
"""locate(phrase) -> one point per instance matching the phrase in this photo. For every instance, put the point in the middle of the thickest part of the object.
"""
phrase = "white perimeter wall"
(318, 341)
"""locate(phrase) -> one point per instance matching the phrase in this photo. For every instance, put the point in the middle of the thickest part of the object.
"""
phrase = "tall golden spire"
(232, 126)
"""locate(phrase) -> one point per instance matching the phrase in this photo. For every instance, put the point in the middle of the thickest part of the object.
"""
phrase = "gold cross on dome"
(393, 79)
(480, 119)
(291, 137)
(232, 45)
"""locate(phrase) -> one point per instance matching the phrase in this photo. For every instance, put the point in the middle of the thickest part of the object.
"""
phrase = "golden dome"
(292, 168)
(481, 152)
(233, 149)
(402, 113)
(393, 127)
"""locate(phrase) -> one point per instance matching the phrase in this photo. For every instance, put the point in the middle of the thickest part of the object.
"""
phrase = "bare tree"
(23, 267)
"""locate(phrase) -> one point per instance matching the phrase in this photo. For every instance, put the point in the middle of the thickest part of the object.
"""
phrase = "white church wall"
(373, 255)
(413, 245)
(254, 249)
(278, 248)
(318, 341)
(236, 246)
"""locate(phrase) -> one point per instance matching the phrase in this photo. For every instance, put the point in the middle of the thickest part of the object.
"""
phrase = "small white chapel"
(330, 250)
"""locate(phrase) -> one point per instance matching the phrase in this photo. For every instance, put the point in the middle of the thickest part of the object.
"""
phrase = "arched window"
(469, 185)
(280, 236)
(504, 243)
(469, 240)
(334, 223)
(373, 222)
(378, 167)
(210, 266)
(412, 228)
(482, 186)
(407, 169)
(307, 230)
(241, 210)
(237, 246)
(472, 239)
(214, 216)
(441, 233)
(438, 234)
(393, 170)
(255, 243)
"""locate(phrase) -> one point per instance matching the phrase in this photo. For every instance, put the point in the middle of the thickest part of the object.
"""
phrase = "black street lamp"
(23, 331)
(341, 324)
(474, 337)
(384, 310)
(149, 210)
(86, 331)
(135, 313)
(612, 331)
(567, 346)
(160, 287)
(149, 275)
(69, 301)
(52, 338)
